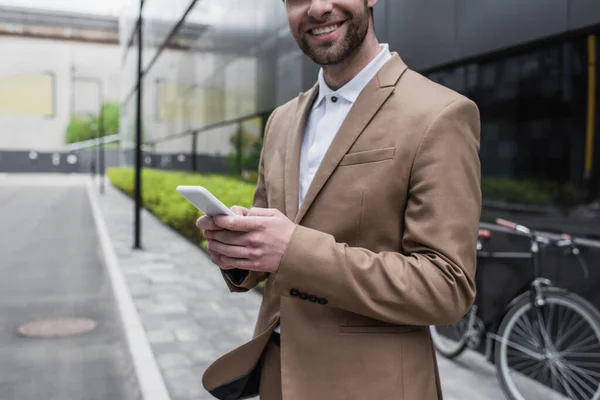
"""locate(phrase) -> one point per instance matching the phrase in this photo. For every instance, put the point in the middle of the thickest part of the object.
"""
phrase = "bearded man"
(364, 223)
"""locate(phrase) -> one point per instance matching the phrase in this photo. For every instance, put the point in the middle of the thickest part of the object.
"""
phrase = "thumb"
(262, 212)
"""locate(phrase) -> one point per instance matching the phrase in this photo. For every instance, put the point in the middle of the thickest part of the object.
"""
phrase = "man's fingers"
(239, 210)
(228, 250)
(239, 224)
(229, 237)
(262, 212)
(240, 263)
(216, 259)
(207, 223)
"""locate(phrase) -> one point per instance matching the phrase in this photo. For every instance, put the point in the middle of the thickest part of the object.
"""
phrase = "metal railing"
(193, 133)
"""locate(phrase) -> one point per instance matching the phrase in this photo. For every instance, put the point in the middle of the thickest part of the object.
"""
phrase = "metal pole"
(240, 138)
(194, 143)
(138, 140)
(101, 134)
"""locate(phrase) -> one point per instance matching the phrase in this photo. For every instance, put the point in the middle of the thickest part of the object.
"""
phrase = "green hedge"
(160, 197)
(531, 192)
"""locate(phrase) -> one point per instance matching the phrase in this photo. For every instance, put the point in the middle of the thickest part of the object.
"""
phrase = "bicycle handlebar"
(513, 225)
(507, 224)
(565, 241)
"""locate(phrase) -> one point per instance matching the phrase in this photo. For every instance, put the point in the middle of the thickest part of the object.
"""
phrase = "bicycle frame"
(533, 289)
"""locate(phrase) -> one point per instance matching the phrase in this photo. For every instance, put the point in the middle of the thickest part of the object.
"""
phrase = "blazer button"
(294, 292)
(312, 298)
(303, 295)
(322, 301)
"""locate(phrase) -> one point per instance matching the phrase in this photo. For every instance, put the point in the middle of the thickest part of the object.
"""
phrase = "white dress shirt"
(327, 115)
(328, 112)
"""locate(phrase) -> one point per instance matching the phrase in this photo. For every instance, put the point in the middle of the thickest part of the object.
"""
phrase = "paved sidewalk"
(191, 318)
(189, 315)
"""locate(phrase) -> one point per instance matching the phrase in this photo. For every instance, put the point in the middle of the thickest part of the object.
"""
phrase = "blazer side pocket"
(379, 328)
(368, 156)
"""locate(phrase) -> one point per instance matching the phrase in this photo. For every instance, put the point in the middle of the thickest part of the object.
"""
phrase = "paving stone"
(173, 360)
(160, 336)
(170, 308)
(187, 335)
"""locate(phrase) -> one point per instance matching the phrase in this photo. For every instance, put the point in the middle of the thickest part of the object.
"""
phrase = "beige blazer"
(384, 246)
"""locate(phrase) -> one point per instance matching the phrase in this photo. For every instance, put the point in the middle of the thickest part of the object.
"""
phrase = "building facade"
(528, 65)
(55, 66)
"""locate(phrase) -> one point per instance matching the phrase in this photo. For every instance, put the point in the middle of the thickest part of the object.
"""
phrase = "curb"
(150, 380)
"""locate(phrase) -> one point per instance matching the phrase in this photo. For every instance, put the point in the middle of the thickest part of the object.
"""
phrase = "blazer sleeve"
(242, 280)
(429, 282)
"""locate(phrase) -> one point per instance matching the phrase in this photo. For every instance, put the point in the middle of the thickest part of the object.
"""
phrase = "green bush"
(82, 128)
(160, 197)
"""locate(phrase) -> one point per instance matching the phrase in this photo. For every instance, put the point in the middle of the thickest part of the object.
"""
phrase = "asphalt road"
(50, 266)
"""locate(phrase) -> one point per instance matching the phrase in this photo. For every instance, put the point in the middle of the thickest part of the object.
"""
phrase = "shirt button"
(333, 99)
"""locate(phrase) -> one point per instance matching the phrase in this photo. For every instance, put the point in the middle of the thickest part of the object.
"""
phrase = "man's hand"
(207, 224)
(255, 241)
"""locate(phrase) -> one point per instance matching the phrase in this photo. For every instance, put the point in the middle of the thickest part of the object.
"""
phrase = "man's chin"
(324, 58)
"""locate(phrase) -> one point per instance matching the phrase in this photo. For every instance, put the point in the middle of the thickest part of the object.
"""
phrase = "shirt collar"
(352, 89)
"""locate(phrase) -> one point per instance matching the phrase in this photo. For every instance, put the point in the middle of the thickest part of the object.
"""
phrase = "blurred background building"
(212, 71)
(530, 66)
(58, 69)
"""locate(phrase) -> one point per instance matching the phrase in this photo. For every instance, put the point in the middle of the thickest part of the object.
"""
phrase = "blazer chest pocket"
(368, 156)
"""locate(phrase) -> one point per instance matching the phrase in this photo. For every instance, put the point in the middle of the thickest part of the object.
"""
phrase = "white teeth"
(323, 31)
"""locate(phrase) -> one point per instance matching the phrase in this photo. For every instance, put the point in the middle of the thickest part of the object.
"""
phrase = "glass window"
(532, 107)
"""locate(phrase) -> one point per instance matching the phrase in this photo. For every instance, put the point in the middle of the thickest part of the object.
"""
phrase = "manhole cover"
(57, 327)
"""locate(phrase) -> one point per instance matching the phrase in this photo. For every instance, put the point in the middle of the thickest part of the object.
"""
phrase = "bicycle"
(548, 339)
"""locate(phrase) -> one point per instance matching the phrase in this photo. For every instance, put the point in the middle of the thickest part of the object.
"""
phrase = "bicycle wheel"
(552, 351)
(451, 340)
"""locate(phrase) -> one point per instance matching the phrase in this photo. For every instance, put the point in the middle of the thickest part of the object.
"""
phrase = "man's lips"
(324, 29)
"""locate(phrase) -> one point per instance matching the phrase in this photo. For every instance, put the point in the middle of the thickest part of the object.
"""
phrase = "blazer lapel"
(362, 112)
(293, 149)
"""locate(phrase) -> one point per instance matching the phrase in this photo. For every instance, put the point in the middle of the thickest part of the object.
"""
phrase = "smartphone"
(204, 200)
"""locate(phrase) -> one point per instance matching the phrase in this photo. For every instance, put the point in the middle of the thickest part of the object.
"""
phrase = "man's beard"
(332, 53)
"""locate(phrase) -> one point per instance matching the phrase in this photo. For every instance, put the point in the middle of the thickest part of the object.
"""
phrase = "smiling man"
(364, 224)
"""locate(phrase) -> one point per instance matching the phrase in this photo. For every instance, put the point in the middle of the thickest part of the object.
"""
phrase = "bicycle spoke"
(531, 369)
(514, 345)
(580, 338)
(584, 377)
(585, 344)
(582, 355)
(518, 329)
(586, 373)
(554, 380)
(530, 328)
(539, 374)
(540, 327)
(580, 363)
(522, 363)
(524, 336)
(574, 328)
(571, 376)
(567, 387)
(561, 325)
(514, 353)
(551, 314)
